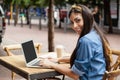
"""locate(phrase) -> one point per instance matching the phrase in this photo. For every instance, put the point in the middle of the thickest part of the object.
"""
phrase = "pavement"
(68, 38)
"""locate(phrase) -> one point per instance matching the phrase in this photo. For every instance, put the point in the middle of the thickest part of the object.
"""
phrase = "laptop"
(30, 55)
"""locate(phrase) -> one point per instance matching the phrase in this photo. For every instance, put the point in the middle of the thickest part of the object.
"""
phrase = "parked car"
(2, 23)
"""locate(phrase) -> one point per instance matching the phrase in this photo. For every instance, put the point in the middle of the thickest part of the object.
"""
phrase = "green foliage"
(16, 2)
(23, 3)
(7, 1)
(27, 2)
(60, 2)
(85, 1)
(42, 3)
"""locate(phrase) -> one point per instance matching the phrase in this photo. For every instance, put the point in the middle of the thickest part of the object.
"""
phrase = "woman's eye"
(77, 20)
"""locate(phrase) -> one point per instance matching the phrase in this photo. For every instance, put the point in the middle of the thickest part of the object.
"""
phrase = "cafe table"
(16, 64)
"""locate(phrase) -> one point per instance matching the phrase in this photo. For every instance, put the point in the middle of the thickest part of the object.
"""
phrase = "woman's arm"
(60, 68)
(65, 70)
(64, 59)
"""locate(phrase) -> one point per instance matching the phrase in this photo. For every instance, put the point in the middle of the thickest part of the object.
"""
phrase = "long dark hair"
(89, 23)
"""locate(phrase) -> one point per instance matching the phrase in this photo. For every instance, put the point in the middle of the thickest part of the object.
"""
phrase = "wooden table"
(17, 64)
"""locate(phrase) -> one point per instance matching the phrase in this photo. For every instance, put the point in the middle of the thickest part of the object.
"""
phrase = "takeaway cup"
(59, 51)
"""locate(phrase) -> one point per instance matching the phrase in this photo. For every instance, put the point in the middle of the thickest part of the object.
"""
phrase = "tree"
(51, 23)
(50, 27)
(27, 4)
(49, 3)
(9, 6)
(17, 3)
(108, 15)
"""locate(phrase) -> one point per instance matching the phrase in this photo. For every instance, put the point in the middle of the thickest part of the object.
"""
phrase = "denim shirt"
(90, 62)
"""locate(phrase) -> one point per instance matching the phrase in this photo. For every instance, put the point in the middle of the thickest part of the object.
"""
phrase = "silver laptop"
(30, 55)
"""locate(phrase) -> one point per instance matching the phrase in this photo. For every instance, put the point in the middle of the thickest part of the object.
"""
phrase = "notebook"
(30, 55)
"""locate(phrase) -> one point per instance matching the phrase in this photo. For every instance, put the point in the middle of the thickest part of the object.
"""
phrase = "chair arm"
(114, 73)
(12, 47)
(8, 51)
(115, 52)
(8, 48)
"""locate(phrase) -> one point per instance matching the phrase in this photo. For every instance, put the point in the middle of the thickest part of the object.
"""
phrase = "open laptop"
(30, 55)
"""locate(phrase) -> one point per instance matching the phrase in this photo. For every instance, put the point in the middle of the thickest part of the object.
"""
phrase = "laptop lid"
(30, 54)
(29, 51)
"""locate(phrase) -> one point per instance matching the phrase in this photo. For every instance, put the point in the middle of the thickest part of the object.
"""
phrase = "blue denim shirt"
(90, 62)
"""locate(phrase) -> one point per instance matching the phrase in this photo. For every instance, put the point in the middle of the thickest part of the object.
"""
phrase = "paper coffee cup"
(59, 51)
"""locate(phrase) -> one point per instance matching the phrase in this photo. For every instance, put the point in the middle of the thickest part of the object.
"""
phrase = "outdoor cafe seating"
(111, 74)
(15, 49)
(114, 68)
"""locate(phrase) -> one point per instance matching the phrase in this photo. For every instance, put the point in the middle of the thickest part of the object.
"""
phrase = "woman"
(88, 60)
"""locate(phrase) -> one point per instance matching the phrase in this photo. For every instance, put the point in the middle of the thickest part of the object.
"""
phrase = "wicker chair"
(15, 49)
(114, 69)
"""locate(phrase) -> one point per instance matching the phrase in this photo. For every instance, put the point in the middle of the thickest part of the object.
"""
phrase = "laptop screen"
(29, 51)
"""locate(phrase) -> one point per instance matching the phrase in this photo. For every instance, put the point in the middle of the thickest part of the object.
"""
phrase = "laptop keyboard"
(37, 63)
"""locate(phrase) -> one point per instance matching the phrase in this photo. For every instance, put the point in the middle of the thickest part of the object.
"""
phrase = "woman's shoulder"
(85, 40)
(92, 37)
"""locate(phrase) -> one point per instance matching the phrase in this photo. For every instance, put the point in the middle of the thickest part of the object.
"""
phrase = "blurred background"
(56, 12)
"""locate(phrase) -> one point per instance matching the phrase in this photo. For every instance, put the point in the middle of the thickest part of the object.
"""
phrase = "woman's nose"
(75, 25)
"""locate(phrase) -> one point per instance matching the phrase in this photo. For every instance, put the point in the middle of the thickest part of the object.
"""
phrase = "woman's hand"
(46, 63)
(55, 60)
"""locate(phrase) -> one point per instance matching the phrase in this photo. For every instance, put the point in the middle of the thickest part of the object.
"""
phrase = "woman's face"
(77, 20)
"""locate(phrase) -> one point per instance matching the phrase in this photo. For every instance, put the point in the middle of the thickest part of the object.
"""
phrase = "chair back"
(15, 49)
(114, 68)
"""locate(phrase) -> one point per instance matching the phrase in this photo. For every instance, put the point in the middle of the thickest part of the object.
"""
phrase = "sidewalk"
(68, 39)
(18, 34)
(25, 33)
